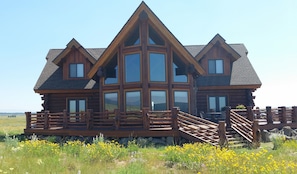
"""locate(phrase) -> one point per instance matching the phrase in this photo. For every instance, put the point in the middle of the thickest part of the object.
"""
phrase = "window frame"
(125, 68)
(217, 102)
(140, 95)
(188, 98)
(215, 67)
(118, 99)
(149, 67)
(166, 98)
(117, 72)
(76, 68)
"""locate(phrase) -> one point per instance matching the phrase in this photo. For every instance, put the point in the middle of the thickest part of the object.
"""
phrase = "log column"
(294, 114)
(174, 113)
(269, 115)
(228, 121)
(223, 142)
(28, 120)
(250, 113)
(283, 114)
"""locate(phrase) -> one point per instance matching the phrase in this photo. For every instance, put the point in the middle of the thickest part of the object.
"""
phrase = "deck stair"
(197, 129)
(235, 140)
(241, 126)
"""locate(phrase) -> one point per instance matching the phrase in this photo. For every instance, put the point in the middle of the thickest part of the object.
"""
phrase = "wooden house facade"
(145, 68)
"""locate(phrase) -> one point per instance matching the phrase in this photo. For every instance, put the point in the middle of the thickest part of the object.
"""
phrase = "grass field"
(40, 156)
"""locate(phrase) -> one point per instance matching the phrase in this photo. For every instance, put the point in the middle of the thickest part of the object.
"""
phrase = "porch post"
(117, 118)
(174, 113)
(250, 113)
(283, 114)
(28, 120)
(46, 120)
(89, 119)
(223, 142)
(65, 119)
(145, 118)
(256, 133)
(294, 114)
(269, 115)
(228, 122)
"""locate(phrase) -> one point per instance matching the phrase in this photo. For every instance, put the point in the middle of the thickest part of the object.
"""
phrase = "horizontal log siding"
(234, 98)
(58, 102)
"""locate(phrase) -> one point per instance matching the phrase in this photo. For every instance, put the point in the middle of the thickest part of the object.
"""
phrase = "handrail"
(241, 125)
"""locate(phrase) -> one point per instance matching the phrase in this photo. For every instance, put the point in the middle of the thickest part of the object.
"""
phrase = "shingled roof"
(243, 73)
(51, 77)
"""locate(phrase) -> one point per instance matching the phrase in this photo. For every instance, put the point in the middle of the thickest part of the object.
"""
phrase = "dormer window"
(76, 70)
(215, 66)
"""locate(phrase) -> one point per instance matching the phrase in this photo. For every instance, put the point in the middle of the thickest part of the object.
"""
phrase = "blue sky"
(30, 28)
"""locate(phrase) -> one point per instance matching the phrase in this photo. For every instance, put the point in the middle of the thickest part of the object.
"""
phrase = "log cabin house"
(145, 68)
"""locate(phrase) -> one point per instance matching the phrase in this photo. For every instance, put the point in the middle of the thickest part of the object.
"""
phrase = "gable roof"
(51, 77)
(217, 39)
(129, 26)
(242, 73)
(77, 45)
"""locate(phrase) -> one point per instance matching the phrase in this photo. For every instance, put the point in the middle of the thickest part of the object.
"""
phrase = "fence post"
(28, 120)
(117, 118)
(256, 134)
(269, 115)
(65, 119)
(294, 114)
(228, 121)
(89, 119)
(223, 142)
(283, 114)
(174, 112)
(145, 118)
(46, 120)
(250, 113)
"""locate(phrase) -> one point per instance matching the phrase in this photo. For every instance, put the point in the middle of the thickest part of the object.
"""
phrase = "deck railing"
(109, 120)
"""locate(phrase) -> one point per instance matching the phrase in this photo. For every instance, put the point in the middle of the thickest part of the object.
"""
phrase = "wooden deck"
(146, 123)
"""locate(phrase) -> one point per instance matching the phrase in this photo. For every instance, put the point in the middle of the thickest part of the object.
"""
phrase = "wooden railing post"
(46, 120)
(250, 113)
(89, 119)
(223, 142)
(228, 121)
(65, 119)
(174, 112)
(256, 134)
(145, 118)
(269, 115)
(283, 114)
(294, 114)
(117, 118)
(28, 120)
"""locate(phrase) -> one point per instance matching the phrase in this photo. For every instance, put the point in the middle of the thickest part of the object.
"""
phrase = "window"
(132, 68)
(133, 38)
(157, 67)
(215, 66)
(158, 100)
(110, 101)
(77, 105)
(179, 70)
(217, 103)
(181, 100)
(154, 38)
(111, 71)
(133, 101)
(76, 70)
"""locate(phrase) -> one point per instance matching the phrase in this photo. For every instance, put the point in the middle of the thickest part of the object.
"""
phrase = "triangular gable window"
(133, 38)
(154, 37)
(111, 71)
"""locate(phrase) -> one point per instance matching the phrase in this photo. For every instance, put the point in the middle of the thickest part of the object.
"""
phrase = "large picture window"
(132, 68)
(181, 100)
(111, 71)
(133, 101)
(157, 67)
(110, 101)
(215, 66)
(179, 70)
(158, 100)
(217, 103)
(76, 70)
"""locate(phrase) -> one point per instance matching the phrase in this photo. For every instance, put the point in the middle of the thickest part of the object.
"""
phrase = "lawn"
(41, 156)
